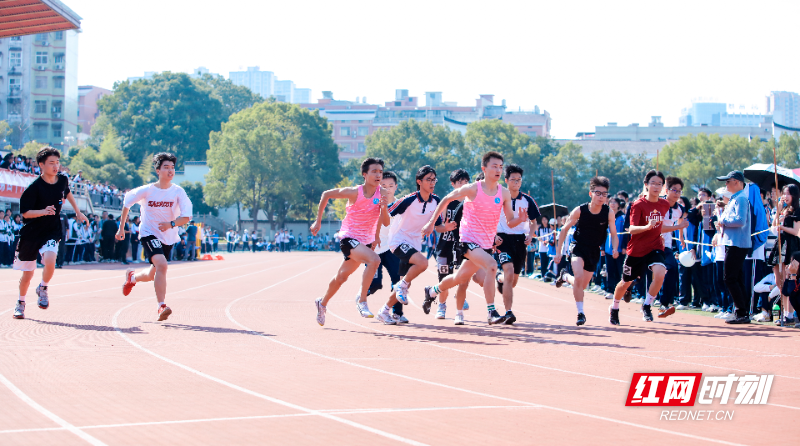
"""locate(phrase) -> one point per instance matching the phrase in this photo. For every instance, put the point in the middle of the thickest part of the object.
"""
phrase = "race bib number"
(504, 257)
(626, 270)
(51, 244)
(354, 243)
(472, 246)
(444, 269)
(405, 248)
(155, 243)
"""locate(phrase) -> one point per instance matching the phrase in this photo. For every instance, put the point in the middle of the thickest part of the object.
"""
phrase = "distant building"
(655, 131)
(147, 75)
(39, 94)
(353, 121)
(784, 107)
(284, 91)
(88, 95)
(302, 95)
(259, 82)
(717, 114)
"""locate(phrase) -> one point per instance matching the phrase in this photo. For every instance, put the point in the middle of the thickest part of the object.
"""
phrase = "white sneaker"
(727, 316)
(762, 317)
(719, 315)
(399, 319)
(385, 316)
(364, 310)
(705, 307)
(459, 320)
(401, 292)
(609, 295)
(321, 309)
(680, 307)
(441, 311)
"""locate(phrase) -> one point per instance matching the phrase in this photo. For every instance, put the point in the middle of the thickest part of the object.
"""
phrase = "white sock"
(160, 304)
(404, 284)
(649, 299)
(133, 278)
(45, 283)
(580, 306)
(615, 305)
(460, 313)
(21, 298)
(386, 309)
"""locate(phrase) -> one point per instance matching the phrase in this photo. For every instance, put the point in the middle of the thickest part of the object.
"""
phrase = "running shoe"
(609, 296)
(129, 283)
(19, 310)
(385, 316)
(459, 320)
(400, 318)
(562, 278)
(466, 305)
(647, 314)
(441, 311)
(613, 315)
(401, 292)
(627, 296)
(581, 319)
(510, 318)
(499, 283)
(364, 310)
(681, 307)
(738, 320)
(495, 318)
(666, 312)
(321, 309)
(164, 312)
(429, 300)
(44, 301)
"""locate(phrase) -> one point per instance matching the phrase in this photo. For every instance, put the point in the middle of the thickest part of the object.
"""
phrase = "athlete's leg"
(25, 282)
(49, 261)
(418, 263)
(508, 285)
(659, 273)
(367, 256)
(345, 269)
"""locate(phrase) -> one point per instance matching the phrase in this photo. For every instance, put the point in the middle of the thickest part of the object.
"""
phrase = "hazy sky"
(587, 63)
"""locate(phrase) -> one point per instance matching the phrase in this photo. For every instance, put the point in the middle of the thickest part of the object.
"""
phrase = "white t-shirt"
(671, 219)
(386, 235)
(411, 214)
(159, 205)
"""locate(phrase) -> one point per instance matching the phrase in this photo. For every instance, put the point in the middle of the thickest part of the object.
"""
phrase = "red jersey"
(642, 212)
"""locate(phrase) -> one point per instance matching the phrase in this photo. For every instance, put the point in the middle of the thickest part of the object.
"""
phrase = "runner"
(674, 215)
(512, 250)
(483, 202)
(40, 206)
(365, 207)
(445, 258)
(388, 260)
(646, 247)
(592, 222)
(164, 207)
(412, 212)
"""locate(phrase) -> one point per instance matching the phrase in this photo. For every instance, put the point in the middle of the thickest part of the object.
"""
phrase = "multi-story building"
(784, 106)
(88, 95)
(302, 95)
(284, 91)
(717, 114)
(39, 91)
(353, 121)
(259, 82)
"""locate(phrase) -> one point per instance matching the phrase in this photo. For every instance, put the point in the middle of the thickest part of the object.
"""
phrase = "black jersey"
(445, 245)
(39, 195)
(591, 229)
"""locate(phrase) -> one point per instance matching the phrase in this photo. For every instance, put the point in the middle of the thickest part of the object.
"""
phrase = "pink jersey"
(479, 222)
(362, 217)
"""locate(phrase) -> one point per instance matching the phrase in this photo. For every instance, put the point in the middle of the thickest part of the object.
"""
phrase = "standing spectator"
(121, 253)
(78, 177)
(291, 240)
(735, 227)
(229, 240)
(245, 241)
(215, 242)
(135, 240)
(191, 241)
(108, 232)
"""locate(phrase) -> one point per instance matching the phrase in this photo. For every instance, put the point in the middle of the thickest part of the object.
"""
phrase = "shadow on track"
(89, 327)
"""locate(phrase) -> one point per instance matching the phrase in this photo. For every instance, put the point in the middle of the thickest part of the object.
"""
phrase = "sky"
(585, 62)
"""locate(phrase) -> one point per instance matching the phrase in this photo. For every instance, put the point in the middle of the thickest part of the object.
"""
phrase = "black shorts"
(445, 266)
(348, 244)
(463, 248)
(404, 253)
(637, 266)
(152, 246)
(589, 254)
(29, 248)
(512, 250)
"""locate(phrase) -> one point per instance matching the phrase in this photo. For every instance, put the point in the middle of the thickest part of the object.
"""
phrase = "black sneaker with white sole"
(510, 318)
(429, 300)
(581, 319)
(647, 315)
(613, 316)
(561, 278)
(499, 283)
(495, 318)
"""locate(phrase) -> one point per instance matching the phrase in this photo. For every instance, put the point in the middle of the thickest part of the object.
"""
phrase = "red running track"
(243, 361)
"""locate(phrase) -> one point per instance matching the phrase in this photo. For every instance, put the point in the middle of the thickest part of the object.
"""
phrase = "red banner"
(12, 183)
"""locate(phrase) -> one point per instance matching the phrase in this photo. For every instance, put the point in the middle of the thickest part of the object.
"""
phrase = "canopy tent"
(24, 17)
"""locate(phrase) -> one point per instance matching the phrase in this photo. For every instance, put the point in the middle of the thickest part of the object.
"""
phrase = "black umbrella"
(763, 175)
(547, 210)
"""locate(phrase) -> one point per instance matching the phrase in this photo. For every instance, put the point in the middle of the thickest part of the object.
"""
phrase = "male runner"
(592, 220)
(646, 247)
(674, 216)
(365, 207)
(445, 258)
(483, 203)
(164, 208)
(40, 206)
(411, 213)
(512, 251)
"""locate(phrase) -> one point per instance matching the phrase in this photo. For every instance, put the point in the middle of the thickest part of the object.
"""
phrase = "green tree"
(106, 163)
(30, 149)
(234, 98)
(787, 151)
(170, 113)
(195, 193)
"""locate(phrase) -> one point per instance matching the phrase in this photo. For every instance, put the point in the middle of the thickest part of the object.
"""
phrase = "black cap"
(733, 175)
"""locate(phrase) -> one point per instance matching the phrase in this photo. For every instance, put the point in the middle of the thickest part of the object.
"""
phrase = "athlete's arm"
(78, 214)
(385, 219)
(573, 218)
(122, 219)
(446, 225)
(681, 224)
(465, 191)
(351, 193)
(612, 227)
(512, 221)
(632, 229)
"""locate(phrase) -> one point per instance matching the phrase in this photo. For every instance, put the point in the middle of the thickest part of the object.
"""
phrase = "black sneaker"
(426, 304)
(648, 315)
(613, 316)
(498, 282)
(581, 319)
(627, 296)
(510, 318)
(739, 320)
(561, 279)
(495, 318)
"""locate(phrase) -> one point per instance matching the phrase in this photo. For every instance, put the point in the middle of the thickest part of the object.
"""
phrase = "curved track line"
(256, 394)
(473, 392)
(55, 418)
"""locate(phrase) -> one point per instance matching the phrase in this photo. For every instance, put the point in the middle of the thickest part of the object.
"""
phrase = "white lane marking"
(55, 418)
(263, 417)
(473, 392)
(256, 394)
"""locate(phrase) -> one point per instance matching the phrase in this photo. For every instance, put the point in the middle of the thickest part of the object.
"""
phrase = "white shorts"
(20, 265)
